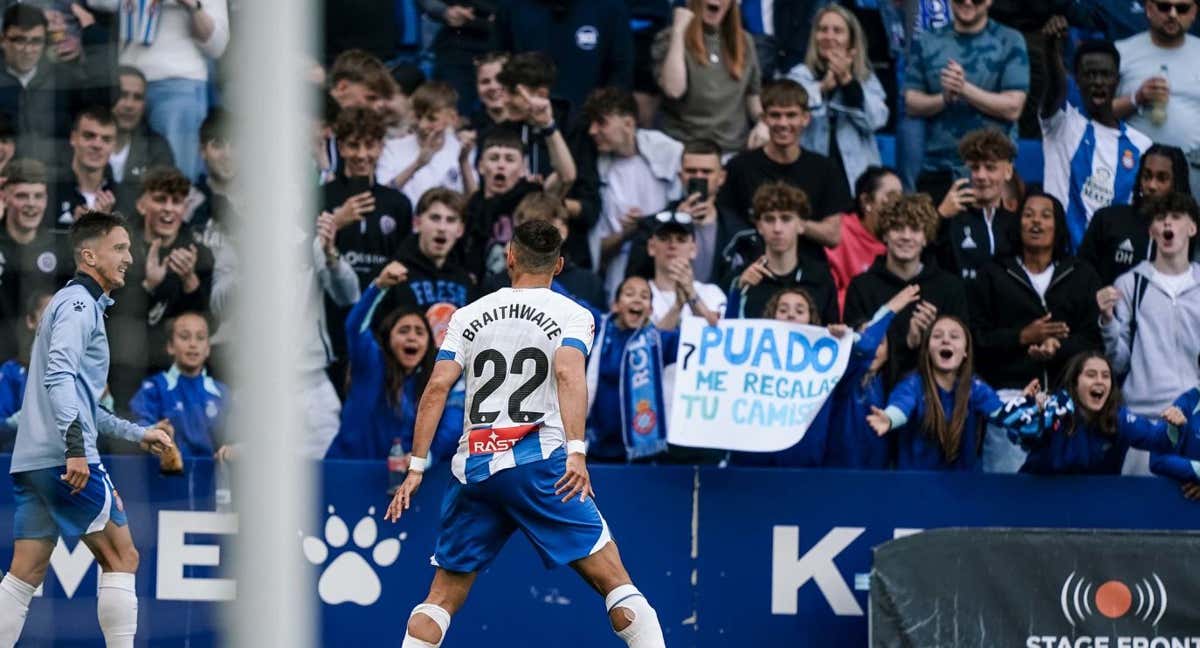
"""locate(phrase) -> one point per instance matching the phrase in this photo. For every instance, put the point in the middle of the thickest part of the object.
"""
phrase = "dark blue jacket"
(590, 42)
(851, 441)
(1183, 464)
(195, 406)
(369, 422)
(1087, 451)
(918, 450)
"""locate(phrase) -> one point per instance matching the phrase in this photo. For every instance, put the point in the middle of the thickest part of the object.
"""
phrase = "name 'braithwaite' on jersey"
(513, 311)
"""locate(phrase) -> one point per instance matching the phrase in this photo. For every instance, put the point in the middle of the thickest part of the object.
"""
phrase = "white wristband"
(417, 464)
(577, 447)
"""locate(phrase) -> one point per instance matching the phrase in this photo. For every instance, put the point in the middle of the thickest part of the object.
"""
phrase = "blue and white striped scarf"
(139, 21)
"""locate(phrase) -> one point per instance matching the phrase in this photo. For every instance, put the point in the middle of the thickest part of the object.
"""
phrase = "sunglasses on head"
(1181, 8)
(670, 216)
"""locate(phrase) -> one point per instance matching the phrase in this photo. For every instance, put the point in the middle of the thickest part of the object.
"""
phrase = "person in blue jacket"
(851, 442)
(13, 372)
(389, 367)
(1182, 464)
(626, 411)
(1084, 428)
(939, 409)
(185, 394)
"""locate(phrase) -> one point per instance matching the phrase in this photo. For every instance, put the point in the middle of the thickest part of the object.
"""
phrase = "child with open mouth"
(938, 410)
(1085, 428)
(626, 413)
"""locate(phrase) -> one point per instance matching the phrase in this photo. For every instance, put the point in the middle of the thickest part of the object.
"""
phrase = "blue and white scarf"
(139, 21)
(643, 426)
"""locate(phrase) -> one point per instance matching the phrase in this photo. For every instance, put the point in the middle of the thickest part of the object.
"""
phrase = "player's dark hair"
(536, 246)
(946, 428)
(393, 374)
(814, 315)
(1105, 420)
(1096, 46)
(25, 171)
(100, 114)
(24, 17)
(93, 225)
(530, 69)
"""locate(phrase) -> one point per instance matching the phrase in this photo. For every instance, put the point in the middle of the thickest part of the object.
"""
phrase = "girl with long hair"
(389, 367)
(709, 74)
(1084, 427)
(939, 409)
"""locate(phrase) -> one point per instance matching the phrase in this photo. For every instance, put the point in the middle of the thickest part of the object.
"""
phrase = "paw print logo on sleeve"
(350, 577)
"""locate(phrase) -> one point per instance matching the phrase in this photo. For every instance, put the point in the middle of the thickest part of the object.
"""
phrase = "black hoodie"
(427, 284)
(1004, 302)
(966, 244)
(1117, 238)
(873, 288)
(813, 277)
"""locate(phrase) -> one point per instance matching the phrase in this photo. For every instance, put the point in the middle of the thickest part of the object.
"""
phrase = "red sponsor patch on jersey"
(490, 440)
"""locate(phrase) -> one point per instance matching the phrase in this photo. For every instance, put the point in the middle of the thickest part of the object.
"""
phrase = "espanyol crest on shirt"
(387, 224)
(1127, 159)
(586, 37)
(47, 262)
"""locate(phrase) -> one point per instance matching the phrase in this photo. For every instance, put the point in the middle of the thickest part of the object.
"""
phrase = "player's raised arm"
(429, 413)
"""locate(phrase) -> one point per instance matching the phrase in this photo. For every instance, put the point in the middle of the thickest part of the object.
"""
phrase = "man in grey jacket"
(1150, 318)
(59, 484)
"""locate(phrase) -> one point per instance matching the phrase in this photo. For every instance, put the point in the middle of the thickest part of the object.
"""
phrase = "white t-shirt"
(1040, 280)
(505, 343)
(661, 301)
(1102, 171)
(441, 171)
(1142, 59)
(1174, 283)
(117, 161)
(628, 184)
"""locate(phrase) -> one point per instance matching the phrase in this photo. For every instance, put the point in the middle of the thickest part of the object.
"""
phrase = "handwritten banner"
(751, 384)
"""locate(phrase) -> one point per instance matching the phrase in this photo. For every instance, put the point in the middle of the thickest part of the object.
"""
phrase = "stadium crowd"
(704, 158)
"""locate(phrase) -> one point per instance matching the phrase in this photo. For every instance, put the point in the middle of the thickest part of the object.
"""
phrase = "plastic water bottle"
(1158, 112)
(397, 471)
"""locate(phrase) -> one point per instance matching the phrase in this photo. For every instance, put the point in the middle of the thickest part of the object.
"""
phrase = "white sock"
(15, 595)
(439, 616)
(643, 630)
(116, 607)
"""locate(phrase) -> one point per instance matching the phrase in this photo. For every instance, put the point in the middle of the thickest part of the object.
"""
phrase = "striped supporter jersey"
(505, 343)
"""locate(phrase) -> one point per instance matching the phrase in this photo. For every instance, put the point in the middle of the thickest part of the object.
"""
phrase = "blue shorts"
(478, 518)
(45, 507)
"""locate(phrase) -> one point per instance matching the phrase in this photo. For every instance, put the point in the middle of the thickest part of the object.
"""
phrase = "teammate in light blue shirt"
(60, 418)
(521, 460)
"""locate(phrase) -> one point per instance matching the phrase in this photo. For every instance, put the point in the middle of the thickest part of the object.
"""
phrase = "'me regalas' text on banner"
(752, 385)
